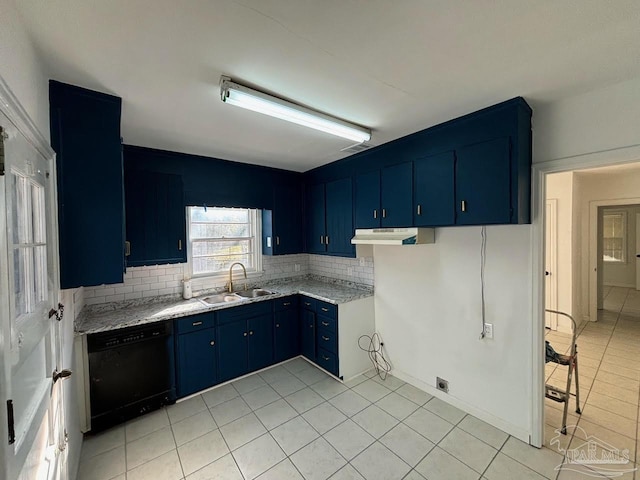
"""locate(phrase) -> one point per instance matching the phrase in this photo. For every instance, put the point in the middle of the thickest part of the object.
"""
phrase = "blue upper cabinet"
(396, 195)
(433, 190)
(339, 217)
(367, 200)
(316, 227)
(483, 188)
(282, 226)
(473, 170)
(85, 134)
(156, 222)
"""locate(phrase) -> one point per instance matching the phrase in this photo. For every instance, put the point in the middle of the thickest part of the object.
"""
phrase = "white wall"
(624, 274)
(428, 311)
(613, 186)
(560, 188)
(21, 68)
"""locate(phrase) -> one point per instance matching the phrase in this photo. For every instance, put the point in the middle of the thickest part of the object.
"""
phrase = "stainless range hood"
(393, 236)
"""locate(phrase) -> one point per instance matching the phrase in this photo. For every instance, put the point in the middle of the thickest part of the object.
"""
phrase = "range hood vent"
(357, 148)
(393, 236)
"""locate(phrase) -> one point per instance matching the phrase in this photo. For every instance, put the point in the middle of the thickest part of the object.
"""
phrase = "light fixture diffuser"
(245, 97)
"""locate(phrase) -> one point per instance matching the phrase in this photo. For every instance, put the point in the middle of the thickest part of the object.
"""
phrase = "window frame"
(625, 226)
(255, 216)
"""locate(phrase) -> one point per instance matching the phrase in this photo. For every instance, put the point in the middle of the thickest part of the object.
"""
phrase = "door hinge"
(10, 422)
(59, 313)
(3, 137)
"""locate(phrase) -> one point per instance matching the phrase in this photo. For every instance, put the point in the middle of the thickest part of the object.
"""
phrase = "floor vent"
(357, 148)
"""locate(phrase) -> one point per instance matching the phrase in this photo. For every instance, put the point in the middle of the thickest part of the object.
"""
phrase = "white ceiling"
(394, 66)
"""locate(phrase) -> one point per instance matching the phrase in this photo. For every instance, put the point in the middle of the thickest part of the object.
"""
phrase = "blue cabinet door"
(367, 200)
(287, 220)
(85, 134)
(232, 349)
(286, 334)
(316, 230)
(196, 361)
(339, 202)
(308, 334)
(260, 353)
(433, 190)
(156, 220)
(483, 188)
(396, 189)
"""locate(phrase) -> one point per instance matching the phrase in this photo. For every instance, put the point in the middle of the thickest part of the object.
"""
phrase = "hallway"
(609, 369)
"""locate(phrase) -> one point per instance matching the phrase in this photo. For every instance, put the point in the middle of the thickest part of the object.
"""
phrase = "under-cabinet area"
(182, 347)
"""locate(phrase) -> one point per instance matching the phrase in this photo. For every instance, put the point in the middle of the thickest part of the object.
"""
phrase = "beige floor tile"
(627, 410)
(610, 420)
(615, 391)
(615, 439)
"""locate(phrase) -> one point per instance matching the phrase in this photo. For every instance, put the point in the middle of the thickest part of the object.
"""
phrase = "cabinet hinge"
(3, 137)
(10, 423)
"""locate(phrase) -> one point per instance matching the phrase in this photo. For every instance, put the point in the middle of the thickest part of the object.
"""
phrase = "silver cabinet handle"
(419, 209)
(463, 205)
(326, 339)
(251, 332)
(212, 343)
(277, 240)
(286, 304)
(127, 248)
(277, 325)
(244, 334)
(375, 213)
(195, 324)
(322, 239)
(325, 324)
(325, 358)
(179, 244)
(311, 325)
(324, 309)
(307, 304)
(326, 239)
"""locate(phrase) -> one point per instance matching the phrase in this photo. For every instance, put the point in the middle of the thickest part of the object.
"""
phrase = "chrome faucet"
(230, 285)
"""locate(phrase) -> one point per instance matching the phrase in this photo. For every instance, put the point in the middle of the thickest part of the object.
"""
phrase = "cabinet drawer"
(327, 323)
(327, 340)
(195, 322)
(308, 303)
(328, 361)
(232, 314)
(285, 303)
(327, 309)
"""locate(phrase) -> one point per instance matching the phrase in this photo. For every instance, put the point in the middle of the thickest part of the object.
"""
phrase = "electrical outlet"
(296, 267)
(362, 261)
(350, 271)
(442, 384)
(488, 330)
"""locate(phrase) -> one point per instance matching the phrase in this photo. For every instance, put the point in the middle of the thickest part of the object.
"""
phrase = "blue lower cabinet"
(286, 334)
(232, 350)
(260, 342)
(328, 361)
(196, 364)
(308, 334)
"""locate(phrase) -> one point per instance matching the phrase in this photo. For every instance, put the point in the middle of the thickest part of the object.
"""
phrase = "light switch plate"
(488, 330)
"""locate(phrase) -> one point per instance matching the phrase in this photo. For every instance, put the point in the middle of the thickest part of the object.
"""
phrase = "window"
(614, 245)
(219, 237)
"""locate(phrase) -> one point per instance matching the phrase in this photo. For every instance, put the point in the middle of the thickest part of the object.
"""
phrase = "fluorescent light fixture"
(245, 97)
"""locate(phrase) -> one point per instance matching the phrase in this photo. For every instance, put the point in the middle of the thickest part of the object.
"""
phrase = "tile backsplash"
(156, 280)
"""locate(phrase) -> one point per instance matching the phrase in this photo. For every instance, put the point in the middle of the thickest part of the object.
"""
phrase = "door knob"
(61, 375)
(547, 273)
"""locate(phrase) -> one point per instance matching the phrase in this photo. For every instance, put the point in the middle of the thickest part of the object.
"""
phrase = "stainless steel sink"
(254, 293)
(220, 298)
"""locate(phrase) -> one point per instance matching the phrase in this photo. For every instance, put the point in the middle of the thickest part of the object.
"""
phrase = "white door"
(637, 252)
(551, 263)
(32, 439)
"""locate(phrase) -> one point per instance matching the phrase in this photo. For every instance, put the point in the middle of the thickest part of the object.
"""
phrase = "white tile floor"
(293, 421)
(609, 370)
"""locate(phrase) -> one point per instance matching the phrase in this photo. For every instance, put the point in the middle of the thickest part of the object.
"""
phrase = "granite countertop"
(111, 316)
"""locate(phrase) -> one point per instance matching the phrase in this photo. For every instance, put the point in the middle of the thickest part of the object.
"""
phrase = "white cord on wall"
(483, 259)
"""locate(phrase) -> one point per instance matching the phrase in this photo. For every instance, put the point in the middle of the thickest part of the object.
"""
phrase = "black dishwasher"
(132, 371)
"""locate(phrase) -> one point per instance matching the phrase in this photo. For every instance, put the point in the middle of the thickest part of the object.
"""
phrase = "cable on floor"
(373, 346)
(483, 259)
